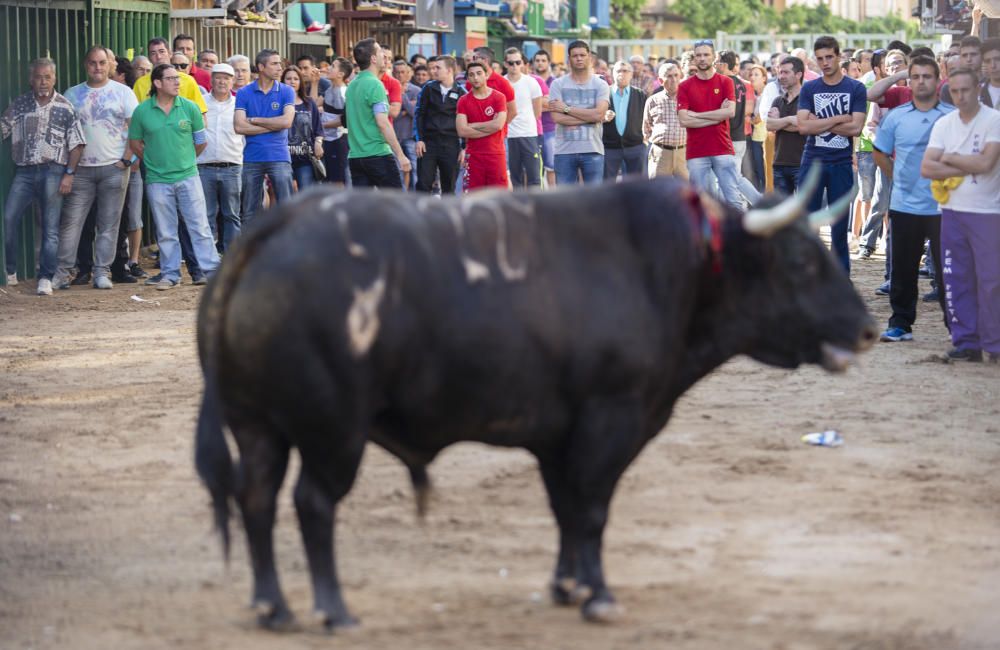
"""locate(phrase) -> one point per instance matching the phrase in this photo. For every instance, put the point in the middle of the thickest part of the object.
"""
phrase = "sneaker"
(137, 271)
(199, 280)
(82, 279)
(12, 279)
(316, 27)
(895, 334)
(44, 287)
(883, 289)
(931, 296)
(63, 284)
(124, 278)
(153, 281)
(965, 354)
(165, 284)
(865, 254)
(102, 282)
(924, 272)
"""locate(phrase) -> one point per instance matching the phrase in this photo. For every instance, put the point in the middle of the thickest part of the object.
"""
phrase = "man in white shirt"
(220, 165)
(524, 158)
(965, 145)
(105, 108)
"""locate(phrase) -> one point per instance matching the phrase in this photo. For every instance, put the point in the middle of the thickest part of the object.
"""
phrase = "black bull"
(567, 323)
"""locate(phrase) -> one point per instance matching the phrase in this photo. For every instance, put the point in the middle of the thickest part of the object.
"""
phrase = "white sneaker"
(12, 279)
(44, 287)
(102, 282)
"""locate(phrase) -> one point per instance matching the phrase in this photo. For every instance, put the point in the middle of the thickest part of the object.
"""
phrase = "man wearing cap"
(220, 165)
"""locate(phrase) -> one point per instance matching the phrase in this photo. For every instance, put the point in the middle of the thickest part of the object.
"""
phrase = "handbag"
(319, 169)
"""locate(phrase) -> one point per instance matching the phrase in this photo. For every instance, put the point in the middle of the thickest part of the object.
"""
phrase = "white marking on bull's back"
(354, 248)
(362, 318)
(494, 207)
(331, 200)
(474, 271)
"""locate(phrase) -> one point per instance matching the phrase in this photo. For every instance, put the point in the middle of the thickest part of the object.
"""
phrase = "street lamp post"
(592, 23)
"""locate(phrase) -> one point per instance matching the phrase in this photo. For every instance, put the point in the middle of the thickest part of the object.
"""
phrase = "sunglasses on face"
(181, 66)
(705, 41)
(514, 62)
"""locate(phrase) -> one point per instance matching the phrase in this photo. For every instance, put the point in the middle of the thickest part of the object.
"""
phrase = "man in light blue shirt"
(624, 150)
(914, 214)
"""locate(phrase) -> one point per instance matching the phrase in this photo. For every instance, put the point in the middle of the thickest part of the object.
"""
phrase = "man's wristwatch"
(566, 110)
(69, 172)
(127, 163)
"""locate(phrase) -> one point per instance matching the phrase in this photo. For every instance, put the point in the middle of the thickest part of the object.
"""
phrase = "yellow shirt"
(189, 90)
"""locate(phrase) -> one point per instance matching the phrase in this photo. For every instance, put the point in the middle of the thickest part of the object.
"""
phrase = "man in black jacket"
(438, 146)
(623, 126)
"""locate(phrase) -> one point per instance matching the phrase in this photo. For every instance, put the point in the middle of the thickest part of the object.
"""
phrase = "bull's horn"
(767, 221)
(833, 211)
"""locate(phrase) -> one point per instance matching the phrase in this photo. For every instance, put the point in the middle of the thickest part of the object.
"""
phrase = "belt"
(219, 164)
(671, 147)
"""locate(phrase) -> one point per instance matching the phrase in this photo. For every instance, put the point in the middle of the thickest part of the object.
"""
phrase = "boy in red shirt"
(480, 118)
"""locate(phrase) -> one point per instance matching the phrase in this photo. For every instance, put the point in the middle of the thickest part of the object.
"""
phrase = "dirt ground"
(728, 532)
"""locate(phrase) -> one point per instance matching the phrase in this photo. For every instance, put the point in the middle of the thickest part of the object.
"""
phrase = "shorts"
(548, 150)
(866, 175)
(485, 170)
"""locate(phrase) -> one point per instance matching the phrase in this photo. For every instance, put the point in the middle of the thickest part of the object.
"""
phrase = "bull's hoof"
(603, 611)
(336, 622)
(274, 617)
(567, 591)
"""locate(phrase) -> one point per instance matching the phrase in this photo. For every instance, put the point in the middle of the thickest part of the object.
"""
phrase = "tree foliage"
(625, 19)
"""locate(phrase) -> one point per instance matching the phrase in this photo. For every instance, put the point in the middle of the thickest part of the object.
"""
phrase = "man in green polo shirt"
(168, 132)
(370, 135)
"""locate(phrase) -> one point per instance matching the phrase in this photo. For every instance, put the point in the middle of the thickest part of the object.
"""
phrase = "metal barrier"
(62, 30)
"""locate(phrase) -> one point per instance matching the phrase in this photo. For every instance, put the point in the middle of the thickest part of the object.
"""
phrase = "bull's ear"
(833, 211)
(767, 221)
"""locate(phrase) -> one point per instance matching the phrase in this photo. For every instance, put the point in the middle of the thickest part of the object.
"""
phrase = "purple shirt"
(548, 124)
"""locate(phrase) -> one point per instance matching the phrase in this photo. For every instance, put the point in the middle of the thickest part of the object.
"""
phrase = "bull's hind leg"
(565, 588)
(263, 461)
(327, 476)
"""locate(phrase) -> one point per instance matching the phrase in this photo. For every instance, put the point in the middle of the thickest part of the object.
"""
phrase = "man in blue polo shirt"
(914, 214)
(264, 113)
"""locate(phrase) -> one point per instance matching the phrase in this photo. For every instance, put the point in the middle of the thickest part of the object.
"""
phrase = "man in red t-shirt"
(392, 85)
(705, 104)
(481, 117)
(486, 56)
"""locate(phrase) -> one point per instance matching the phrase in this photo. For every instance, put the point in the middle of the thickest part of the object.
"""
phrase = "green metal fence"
(62, 30)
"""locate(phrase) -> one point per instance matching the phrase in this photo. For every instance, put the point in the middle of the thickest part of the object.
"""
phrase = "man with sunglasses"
(159, 53)
(523, 155)
(185, 45)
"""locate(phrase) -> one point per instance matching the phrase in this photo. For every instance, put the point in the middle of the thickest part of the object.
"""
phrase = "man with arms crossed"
(831, 113)
(481, 117)
(966, 144)
(578, 103)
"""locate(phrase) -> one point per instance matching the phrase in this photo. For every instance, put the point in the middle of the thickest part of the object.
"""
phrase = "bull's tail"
(212, 459)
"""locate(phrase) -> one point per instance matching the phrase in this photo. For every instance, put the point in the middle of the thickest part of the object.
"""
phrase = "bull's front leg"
(565, 587)
(608, 438)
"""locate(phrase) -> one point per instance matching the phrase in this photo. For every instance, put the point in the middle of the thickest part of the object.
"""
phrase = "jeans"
(409, 147)
(836, 180)
(725, 170)
(222, 186)
(280, 174)
(746, 188)
(880, 206)
(376, 171)
(34, 183)
(866, 175)
(304, 176)
(570, 166)
(632, 158)
(786, 179)
(106, 186)
(335, 159)
(170, 201)
(548, 150)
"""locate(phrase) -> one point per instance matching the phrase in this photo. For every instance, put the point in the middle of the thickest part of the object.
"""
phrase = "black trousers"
(441, 156)
(907, 243)
(376, 171)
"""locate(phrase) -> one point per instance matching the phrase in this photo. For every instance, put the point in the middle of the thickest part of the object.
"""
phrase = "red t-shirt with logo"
(896, 96)
(478, 110)
(701, 95)
(393, 89)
